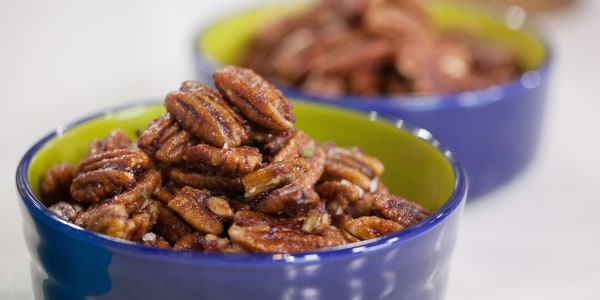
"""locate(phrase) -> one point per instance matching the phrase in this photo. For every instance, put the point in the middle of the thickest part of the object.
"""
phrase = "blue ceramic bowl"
(492, 131)
(68, 262)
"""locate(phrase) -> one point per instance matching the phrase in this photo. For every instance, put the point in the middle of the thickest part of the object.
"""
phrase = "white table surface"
(538, 237)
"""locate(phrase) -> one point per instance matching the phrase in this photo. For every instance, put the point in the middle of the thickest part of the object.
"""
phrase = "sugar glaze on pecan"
(226, 171)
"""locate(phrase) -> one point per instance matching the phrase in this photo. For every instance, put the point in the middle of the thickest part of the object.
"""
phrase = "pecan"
(229, 160)
(107, 174)
(144, 220)
(154, 240)
(158, 132)
(256, 98)
(95, 186)
(56, 183)
(299, 195)
(317, 219)
(298, 145)
(66, 210)
(190, 242)
(261, 233)
(203, 91)
(116, 139)
(130, 160)
(220, 207)
(352, 165)
(369, 227)
(216, 183)
(108, 219)
(205, 117)
(399, 209)
(215, 244)
(170, 225)
(141, 193)
(273, 176)
(375, 47)
(191, 205)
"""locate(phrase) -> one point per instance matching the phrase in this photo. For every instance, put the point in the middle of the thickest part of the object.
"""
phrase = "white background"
(538, 237)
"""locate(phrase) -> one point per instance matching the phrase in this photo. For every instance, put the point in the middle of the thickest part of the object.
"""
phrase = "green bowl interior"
(225, 40)
(414, 168)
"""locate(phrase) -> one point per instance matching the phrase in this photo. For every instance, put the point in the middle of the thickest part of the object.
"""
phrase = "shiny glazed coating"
(376, 47)
(253, 183)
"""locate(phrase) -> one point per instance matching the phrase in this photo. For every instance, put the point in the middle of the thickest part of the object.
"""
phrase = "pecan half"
(298, 196)
(108, 219)
(190, 242)
(191, 205)
(399, 209)
(56, 183)
(138, 197)
(130, 160)
(216, 183)
(66, 210)
(352, 165)
(229, 160)
(95, 186)
(256, 98)
(369, 227)
(273, 176)
(262, 233)
(116, 139)
(215, 244)
(170, 225)
(206, 118)
(164, 139)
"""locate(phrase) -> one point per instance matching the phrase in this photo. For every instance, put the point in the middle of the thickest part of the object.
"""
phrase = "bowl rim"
(527, 80)
(40, 212)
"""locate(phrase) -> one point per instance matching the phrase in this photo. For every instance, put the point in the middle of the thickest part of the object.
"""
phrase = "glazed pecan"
(130, 160)
(299, 195)
(256, 98)
(203, 178)
(273, 176)
(345, 198)
(375, 47)
(56, 183)
(144, 220)
(215, 244)
(116, 139)
(170, 225)
(369, 227)
(206, 118)
(190, 242)
(298, 145)
(399, 209)
(202, 91)
(352, 165)
(95, 186)
(108, 219)
(317, 219)
(241, 160)
(164, 139)
(219, 184)
(192, 205)
(154, 240)
(107, 173)
(259, 232)
(66, 210)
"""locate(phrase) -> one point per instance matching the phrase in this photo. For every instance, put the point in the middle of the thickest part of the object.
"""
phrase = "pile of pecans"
(376, 47)
(226, 171)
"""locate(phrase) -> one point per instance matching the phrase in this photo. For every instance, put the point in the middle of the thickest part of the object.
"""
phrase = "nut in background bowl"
(69, 262)
(493, 131)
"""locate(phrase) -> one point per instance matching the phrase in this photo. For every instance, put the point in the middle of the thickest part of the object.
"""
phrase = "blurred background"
(538, 237)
